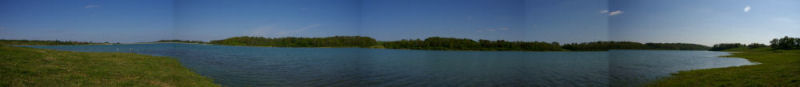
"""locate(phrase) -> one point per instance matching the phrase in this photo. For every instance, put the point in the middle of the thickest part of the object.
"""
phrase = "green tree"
(723, 46)
(756, 45)
(785, 43)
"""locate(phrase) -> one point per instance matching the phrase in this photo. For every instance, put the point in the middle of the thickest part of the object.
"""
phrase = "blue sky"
(86, 20)
(704, 21)
(690, 21)
(218, 19)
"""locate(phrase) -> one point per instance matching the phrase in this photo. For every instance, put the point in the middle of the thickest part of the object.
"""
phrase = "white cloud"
(91, 6)
(611, 13)
(747, 8)
(617, 12)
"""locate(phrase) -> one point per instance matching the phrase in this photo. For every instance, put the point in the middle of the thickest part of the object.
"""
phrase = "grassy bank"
(50, 68)
(778, 68)
(48, 42)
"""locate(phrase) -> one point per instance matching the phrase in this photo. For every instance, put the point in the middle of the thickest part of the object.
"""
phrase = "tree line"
(44, 42)
(447, 43)
(785, 43)
(441, 43)
(335, 41)
(181, 41)
(608, 45)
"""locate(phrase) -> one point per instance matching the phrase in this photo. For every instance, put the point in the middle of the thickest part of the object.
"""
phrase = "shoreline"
(27, 66)
(771, 68)
(416, 49)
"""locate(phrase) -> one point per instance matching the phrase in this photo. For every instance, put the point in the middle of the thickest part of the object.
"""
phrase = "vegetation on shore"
(440, 43)
(784, 43)
(724, 46)
(23, 66)
(37, 67)
(335, 41)
(446, 43)
(45, 42)
(182, 41)
(778, 68)
(607, 45)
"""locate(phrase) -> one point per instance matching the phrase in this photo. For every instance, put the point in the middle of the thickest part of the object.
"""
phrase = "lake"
(271, 66)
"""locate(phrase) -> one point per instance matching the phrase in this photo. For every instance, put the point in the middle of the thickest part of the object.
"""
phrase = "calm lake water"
(269, 66)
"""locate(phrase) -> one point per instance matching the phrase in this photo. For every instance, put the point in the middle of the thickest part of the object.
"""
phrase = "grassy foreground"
(20, 66)
(778, 68)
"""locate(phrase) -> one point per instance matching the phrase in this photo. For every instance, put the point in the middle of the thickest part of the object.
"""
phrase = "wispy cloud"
(617, 12)
(91, 6)
(747, 8)
(611, 13)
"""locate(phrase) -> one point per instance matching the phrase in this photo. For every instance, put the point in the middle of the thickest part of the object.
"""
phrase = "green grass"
(22, 66)
(778, 68)
(46, 42)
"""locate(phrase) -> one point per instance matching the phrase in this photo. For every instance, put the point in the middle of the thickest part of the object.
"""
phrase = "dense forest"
(442, 43)
(181, 41)
(785, 43)
(724, 46)
(603, 45)
(335, 41)
(607, 45)
(446, 43)
(44, 42)
(676, 46)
